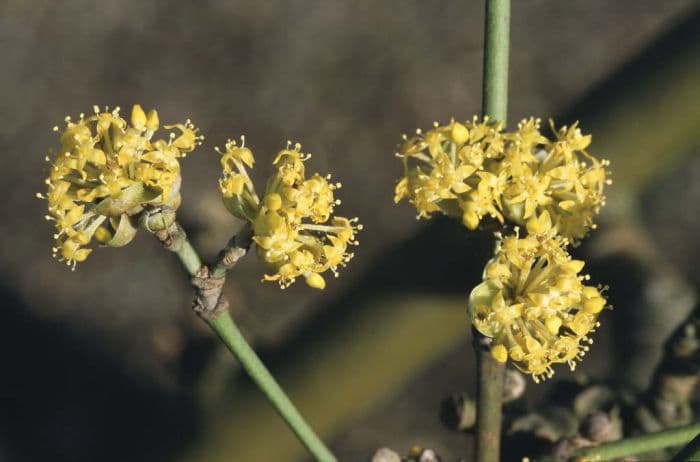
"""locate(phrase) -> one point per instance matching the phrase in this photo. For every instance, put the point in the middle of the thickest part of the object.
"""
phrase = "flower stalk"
(490, 372)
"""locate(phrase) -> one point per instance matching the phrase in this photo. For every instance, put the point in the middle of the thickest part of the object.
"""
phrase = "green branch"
(212, 307)
(496, 47)
(175, 239)
(638, 445)
(490, 373)
(489, 401)
(691, 452)
(227, 331)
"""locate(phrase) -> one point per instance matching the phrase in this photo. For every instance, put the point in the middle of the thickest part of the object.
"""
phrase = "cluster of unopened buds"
(533, 301)
(110, 176)
(293, 225)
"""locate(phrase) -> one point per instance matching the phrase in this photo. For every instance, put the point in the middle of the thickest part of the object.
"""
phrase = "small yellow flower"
(475, 169)
(447, 170)
(237, 188)
(295, 232)
(104, 174)
(558, 175)
(533, 302)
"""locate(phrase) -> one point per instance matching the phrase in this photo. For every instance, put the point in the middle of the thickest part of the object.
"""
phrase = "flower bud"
(152, 121)
(316, 281)
(459, 133)
(273, 202)
(138, 117)
(157, 219)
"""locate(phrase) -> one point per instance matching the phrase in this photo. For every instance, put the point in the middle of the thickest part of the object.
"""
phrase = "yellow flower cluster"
(474, 169)
(104, 174)
(533, 302)
(293, 227)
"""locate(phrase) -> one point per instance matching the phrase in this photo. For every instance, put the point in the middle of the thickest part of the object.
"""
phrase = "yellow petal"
(499, 353)
(316, 281)
(553, 324)
(594, 305)
(138, 117)
(459, 133)
(470, 220)
(152, 120)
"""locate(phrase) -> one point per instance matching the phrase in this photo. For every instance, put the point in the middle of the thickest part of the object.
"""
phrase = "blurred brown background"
(109, 364)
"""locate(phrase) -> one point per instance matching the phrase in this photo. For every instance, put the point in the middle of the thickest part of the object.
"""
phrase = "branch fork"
(209, 301)
(212, 307)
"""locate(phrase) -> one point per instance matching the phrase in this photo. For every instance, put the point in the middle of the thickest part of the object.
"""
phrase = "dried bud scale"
(385, 455)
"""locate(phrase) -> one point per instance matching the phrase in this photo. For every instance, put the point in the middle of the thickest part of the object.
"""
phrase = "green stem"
(175, 239)
(188, 256)
(639, 444)
(489, 392)
(496, 44)
(227, 331)
(691, 452)
(489, 401)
